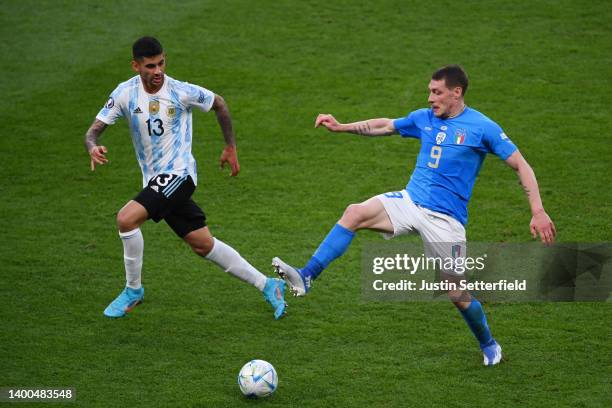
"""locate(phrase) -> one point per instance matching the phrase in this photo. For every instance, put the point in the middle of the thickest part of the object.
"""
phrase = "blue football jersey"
(452, 152)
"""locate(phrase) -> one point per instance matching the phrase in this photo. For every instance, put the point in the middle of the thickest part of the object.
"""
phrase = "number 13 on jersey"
(436, 153)
(158, 127)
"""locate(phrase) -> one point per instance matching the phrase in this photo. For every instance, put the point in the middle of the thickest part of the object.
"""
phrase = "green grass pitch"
(541, 69)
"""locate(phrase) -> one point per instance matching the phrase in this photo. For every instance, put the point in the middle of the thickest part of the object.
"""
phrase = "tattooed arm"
(229, 154)
(224, 119)
(371, 127)
(96, 153)
(540, 221)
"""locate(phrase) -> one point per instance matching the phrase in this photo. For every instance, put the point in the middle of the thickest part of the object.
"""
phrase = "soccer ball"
(257, 379)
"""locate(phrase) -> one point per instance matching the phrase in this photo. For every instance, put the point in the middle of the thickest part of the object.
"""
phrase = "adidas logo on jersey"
(155, 188)
(137, 110)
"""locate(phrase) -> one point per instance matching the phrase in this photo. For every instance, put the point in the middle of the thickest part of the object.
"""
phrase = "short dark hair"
(146, 47)
(453, 76)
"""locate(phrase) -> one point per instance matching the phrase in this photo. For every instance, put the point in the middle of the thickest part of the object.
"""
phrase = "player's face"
(443, 101)
(151, 70)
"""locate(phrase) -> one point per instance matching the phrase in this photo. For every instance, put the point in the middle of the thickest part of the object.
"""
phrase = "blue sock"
(477, 322)
(332, 247)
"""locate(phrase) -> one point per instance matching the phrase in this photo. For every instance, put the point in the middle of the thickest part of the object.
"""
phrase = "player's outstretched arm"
(540, 221)
(370, 127)
(96, 153)
(229, 154)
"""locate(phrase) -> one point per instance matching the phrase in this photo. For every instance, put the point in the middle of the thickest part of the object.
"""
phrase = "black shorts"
(168, 197)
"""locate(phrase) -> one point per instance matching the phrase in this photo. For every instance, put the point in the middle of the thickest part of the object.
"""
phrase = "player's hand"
(230, 156)
(543, 225)
(97, 155)
(328, 121)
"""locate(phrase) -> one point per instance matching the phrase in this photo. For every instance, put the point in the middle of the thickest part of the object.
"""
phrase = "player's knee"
(353, 216)
(125, 222)
(459, 297)
(202, 247)
(454, 295)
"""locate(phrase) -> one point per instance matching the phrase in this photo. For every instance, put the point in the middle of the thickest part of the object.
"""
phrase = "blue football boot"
(274, 293)
(127, 300)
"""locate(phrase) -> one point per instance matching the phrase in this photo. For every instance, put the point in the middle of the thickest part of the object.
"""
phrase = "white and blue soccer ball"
(257, 379)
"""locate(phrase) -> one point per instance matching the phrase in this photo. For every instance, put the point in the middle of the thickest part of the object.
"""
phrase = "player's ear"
(457, 91)
(135, 66)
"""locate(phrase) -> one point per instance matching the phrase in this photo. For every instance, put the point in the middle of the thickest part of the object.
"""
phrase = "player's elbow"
(385, 127)
(219, 103)
(522, 167)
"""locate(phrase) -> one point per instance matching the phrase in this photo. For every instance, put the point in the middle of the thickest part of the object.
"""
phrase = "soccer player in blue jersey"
(158, 110)
(454, 142)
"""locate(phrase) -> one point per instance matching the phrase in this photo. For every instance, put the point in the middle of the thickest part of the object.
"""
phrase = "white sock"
(230, 261)
(133, 245)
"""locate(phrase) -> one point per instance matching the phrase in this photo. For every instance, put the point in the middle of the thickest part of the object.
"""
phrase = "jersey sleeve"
(197, 96)
(112, 111)
(496, 141)
(409, 126)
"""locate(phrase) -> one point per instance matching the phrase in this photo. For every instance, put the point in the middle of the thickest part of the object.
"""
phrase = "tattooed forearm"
(371, 127)
(526, 189)
(93, 133)
(225, 120)
(363, 128)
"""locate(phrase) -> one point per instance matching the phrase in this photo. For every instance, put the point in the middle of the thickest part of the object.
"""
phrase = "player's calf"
(202, 248)
(201, 241)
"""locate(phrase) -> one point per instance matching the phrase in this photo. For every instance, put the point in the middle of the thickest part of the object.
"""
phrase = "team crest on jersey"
(171, 111)
(154, 107)
(460, 136)
(440, 137)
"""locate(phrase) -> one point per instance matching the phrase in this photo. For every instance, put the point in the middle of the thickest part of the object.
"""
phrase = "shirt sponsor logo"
(440, 137)
(110, 103)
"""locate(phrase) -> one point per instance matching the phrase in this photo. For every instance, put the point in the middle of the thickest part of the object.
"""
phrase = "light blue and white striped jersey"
(160, 123)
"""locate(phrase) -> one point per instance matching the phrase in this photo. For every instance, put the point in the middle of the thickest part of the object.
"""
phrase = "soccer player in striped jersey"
(454, 142)
(158, 110)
